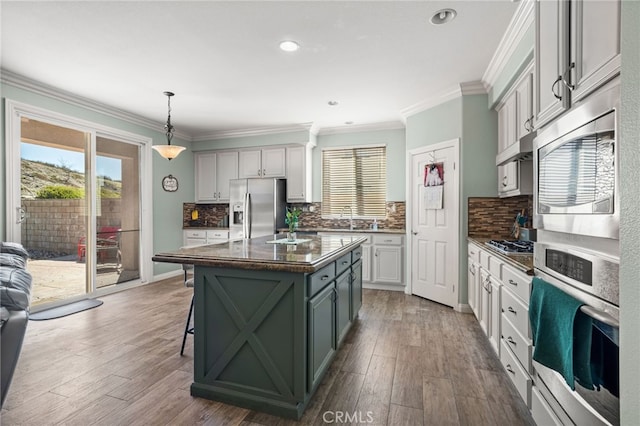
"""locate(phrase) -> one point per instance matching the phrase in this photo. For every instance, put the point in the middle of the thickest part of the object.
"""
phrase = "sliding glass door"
(75, 202)
(53, 209)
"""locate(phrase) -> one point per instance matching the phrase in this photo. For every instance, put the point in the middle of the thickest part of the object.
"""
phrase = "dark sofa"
(15, 293)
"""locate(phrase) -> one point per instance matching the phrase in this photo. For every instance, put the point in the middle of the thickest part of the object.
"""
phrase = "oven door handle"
(600, 316)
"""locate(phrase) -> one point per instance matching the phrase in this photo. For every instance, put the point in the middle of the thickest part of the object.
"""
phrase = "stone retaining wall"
(57, 225)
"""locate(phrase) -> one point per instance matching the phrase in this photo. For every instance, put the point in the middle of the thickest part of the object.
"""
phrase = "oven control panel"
(570, 266)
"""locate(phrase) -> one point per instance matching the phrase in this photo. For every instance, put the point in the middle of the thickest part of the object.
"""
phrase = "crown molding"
(357, 128)
(257, 131)
(520, 23)
(34, 86)
(445, 96)
(473, 88)
(463, 89)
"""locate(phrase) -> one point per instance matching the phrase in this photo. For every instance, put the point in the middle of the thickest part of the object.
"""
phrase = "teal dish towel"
(561, 333)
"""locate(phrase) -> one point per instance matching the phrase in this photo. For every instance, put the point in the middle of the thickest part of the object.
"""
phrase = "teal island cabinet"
(269, 316)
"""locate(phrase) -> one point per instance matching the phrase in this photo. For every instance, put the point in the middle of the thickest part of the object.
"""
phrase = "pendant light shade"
(169, 151)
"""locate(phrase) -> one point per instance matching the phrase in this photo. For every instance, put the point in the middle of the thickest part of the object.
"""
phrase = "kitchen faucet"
(350, 216)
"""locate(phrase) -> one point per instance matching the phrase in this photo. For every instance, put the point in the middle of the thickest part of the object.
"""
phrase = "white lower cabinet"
(541, 412)
(382, 259)
(499, 297)
(516, 373)
(201, 237)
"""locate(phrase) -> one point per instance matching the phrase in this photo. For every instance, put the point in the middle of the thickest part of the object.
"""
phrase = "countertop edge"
(252, 264)
(510, 260)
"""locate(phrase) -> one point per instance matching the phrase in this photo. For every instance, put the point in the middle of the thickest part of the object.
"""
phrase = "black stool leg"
(186, 328)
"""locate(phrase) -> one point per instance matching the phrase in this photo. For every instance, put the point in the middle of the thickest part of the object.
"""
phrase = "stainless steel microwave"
(576, 170)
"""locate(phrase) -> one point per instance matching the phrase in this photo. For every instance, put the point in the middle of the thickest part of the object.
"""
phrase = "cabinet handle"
(324, 278)
(526, 125)
(259, 172)
(504, 180)
(513, 311)
(564, 80)
(264, 172)
(553, 88)
(344, 262)
(512, 282)
(358, 254)
(376, 254)
(510, 369)
(511, 341)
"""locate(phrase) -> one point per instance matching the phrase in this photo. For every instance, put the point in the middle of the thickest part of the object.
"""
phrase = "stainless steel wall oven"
(576, 213)
(576, 178)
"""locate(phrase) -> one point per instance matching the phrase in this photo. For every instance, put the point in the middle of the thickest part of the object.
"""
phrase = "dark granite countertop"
(349, 231)
(522, 262)
(258, 254)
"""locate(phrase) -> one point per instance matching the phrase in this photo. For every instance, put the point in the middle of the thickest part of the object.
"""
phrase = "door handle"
(21, 214)
(564, 80)
(553, 88)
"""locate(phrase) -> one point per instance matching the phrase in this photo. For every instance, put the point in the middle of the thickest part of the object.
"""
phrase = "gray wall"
(167, 206)
(629, 219)
(469, 119)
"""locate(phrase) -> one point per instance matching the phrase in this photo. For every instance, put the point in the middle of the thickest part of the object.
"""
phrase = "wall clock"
(170, 183)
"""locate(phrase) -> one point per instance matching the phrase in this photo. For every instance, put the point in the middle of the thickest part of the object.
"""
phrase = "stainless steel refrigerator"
(257, 207)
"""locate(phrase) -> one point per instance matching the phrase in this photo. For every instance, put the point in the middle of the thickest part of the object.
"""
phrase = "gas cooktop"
(511, 247)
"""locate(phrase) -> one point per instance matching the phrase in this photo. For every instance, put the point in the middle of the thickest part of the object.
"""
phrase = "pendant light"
(169, 151)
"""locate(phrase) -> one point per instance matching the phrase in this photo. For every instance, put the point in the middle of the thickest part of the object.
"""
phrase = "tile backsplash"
(396, 218)
(211, 215)
(494, 217)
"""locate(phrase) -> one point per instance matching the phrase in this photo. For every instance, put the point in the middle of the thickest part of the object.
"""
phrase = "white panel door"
(434, 236)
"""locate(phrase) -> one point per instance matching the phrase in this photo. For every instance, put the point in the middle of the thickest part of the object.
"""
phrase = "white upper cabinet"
(299, 174)
(213, 170)
(226, 170)
(524, 105)
(263, 163)
(205, 175)
(595, 49)
(514, 121)
(577, 50)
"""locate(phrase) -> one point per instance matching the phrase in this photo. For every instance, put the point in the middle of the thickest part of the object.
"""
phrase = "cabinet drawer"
(484, 259)
(518, 282)
(516, 312)
(218, 235)
(541, 411)
(356, 254)
(343, 263)
(195, 234)
(389, 240)
(473, 252)
(516, 373)
(520, 345)
(495, 267)
(321, 278)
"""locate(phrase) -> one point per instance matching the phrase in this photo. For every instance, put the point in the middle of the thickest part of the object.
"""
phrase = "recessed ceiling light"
(289, 46)
(333, 103)
(443, 16)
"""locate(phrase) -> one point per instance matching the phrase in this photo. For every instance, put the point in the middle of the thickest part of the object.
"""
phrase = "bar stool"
(188, 282)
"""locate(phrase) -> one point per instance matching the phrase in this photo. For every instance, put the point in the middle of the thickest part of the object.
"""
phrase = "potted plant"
(291, 219)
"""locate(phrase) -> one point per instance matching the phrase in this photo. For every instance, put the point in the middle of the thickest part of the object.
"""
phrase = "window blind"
(355, 177)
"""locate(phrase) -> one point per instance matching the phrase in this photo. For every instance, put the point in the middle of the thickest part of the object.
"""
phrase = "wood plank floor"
(406, 361)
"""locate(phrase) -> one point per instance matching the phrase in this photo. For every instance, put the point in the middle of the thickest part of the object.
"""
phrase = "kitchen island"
(270, 316)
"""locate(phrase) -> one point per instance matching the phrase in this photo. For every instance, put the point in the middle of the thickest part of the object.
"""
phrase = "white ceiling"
(221, 58)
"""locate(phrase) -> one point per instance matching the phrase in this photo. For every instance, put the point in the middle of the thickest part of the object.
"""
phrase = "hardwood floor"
(406, 361)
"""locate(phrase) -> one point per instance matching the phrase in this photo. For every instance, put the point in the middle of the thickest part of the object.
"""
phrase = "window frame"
(347, 214)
